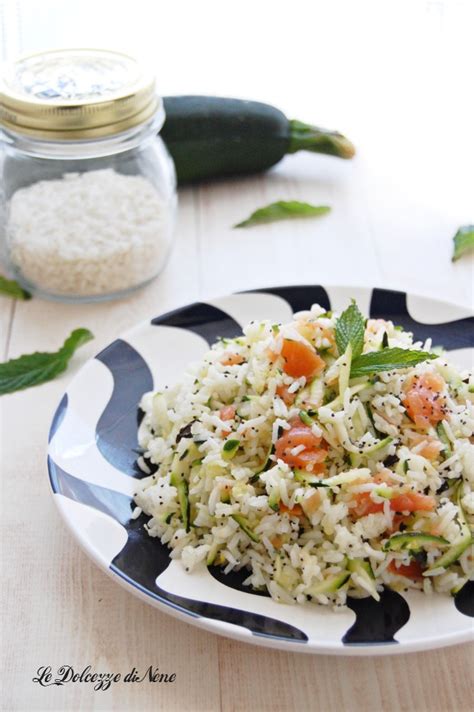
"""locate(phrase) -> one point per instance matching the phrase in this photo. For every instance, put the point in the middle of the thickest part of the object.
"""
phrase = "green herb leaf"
(10, 288)
(39, 367)
(284, 209)
(350, 329)
(388, 360)
(463, 241)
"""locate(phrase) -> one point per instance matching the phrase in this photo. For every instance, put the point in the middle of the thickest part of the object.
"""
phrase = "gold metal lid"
(76, 94)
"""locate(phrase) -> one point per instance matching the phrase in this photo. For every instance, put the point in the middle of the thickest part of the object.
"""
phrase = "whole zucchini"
(209, 137)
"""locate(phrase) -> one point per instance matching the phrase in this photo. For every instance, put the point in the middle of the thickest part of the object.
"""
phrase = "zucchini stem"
(304, 137)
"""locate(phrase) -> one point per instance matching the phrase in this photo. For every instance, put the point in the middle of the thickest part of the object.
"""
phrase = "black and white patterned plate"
(92, 467)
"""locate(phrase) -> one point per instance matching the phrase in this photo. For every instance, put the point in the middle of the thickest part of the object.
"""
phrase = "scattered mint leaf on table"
(282, 210)
(39, 367)
(10, 288)
(388, 360)
(463, 241)
(350, 329)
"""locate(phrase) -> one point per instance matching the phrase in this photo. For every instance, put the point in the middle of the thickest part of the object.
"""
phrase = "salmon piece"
(431, 450)
(295, 511)
(272, 356)
(365, 505)
(227, 412)
(229, 359)
(314, 452)
(311, 504)
(287, 397)
(408, 502)
(277, 541)
(432, 447)
(412, 502)
(423, 400)
(301, 360)
(413, 570)
(318, 468)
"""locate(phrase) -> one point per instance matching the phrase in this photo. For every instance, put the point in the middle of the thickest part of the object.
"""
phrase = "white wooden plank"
(393, 76)
(438, 681)
(316, 250)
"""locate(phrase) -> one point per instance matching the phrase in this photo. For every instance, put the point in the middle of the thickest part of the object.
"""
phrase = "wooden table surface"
(395, 210)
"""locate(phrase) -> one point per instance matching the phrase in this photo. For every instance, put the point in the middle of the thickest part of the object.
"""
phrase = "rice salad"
(327, 457)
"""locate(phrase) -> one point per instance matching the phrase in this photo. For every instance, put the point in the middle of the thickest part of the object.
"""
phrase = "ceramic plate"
(92, 468)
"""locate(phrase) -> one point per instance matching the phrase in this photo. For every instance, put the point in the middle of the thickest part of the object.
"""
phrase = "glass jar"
(87, 187)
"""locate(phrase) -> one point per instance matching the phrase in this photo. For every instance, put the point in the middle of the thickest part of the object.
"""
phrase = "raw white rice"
(87, 234)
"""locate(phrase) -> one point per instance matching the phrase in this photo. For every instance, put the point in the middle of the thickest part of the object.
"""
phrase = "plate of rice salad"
(291, 467)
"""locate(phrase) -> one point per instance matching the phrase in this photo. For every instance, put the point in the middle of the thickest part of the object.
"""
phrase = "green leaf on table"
(388, 360)
(10, 288)
(39, 367)
(282, 210)
(463, 241)
(350, 329)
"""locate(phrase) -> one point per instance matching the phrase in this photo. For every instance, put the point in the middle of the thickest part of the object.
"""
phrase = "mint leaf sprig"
(350, 329)
(10, 288)
(39, 367)
(282, 210)
(463, 241)
(388, 360)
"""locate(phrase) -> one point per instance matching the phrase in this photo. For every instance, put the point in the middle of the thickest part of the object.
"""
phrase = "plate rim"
(220, 627)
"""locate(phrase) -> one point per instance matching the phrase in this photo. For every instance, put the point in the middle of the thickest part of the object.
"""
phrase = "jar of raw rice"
(87, 187)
